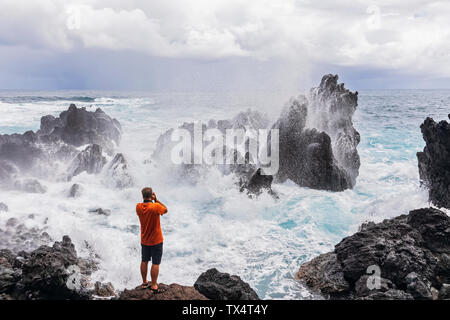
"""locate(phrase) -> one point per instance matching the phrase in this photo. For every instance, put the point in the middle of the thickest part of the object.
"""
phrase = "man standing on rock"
(149, 212)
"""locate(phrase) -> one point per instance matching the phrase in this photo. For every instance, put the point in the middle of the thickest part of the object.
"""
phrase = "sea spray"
(212, 224)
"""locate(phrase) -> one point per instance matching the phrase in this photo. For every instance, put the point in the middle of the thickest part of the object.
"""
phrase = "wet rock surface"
(105, 290)
(90, 160)
(434, 165)
(216, 285)
(75, 190)
(117, 173)
(317, 142)
(78, 127)
(257, 183)
(45, 273)
(173, 292)
(411, 252)
(101, 211)
(3, 207)
(16, 236)
(52, 151)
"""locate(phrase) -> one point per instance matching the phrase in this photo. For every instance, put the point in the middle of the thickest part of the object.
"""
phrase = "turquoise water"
(212, 224)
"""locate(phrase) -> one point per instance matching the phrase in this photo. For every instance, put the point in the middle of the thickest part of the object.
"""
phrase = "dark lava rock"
(117, 173)
(173, 292)
(100, 211)
(317, 141)
(362, 289)
(324, 274)
(104, 289)
(216, 285)
(434, 161)
(392, 294)
(17, 237)
(75, 191)
(55, 144)
(8, 278)
(90, 160)
(444, 293)
(78, 127)
(11, 222)
(190, 172)
(257, 183)
(3, 207)
(411, 251)
(47, 273)
(8, 171)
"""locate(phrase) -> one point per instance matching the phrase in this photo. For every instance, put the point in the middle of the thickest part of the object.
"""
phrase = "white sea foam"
(212, 224)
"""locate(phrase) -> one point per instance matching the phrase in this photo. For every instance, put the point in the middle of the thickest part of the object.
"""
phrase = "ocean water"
(212, 224)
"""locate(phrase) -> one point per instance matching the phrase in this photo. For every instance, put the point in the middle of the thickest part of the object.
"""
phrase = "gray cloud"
(410, 38)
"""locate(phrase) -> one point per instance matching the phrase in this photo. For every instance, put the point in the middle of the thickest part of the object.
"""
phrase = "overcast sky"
(223, 44)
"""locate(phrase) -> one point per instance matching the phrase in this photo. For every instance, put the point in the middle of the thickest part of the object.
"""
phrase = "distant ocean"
(212, 224)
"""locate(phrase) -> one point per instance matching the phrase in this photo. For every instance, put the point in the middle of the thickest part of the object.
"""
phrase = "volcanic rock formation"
(317, 142)
(216, 285)
(412, 253)
(434, 161)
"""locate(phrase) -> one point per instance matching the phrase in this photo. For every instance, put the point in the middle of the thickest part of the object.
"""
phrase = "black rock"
(419, 288)
(20, 150)
(90, 160)
(75, 191)
(3, 207)
(171, 292)
(317, 141)
(392, 294)
(117, 173)
(325, 275)
(55, 144)
(362, 289)
(257, 183)
(104, 289)
(434, 161)
(411, 252)
(216, 285)
(7, 258)
(249, 120)
(8, 278)
(78, 127)
(444, 293)
(9, 274)
(8, 171)
(100, 211)
(52, 273)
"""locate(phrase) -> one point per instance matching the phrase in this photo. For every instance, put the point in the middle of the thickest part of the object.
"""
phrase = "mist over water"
(212, 224)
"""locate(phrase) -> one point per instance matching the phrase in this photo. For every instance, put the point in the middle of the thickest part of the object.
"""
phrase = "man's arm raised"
(159, 202)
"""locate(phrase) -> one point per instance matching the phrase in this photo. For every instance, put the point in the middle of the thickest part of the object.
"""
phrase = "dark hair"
(147, 193)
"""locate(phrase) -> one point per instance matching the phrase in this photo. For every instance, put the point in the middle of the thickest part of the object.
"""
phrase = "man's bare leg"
(154, 274)
(144, 269)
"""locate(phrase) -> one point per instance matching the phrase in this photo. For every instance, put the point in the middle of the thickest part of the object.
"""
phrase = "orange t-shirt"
(149, 214)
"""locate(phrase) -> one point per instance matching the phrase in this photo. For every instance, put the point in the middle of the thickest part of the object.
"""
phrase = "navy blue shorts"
(153, 253)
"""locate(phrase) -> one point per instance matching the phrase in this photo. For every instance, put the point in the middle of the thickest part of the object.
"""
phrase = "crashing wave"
(317, 142)
(54, 151)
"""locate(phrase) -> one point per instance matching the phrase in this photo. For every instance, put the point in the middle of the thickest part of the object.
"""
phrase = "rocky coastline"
(57, 273)
(406, 257)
